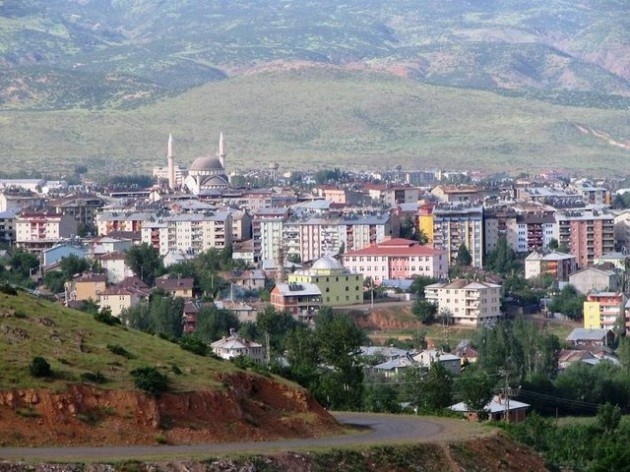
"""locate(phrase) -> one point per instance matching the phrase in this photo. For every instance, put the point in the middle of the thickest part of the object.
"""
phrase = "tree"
(463, 259)
(419, 283)
(40, 367)
(553, 244)
(425, 311)
(608, 417)
(502, 259)
(437, 388)
(72, 265)
(569, 302)
(23, 263)
(212, 323)
(476, 390)
(55, 281)
(145, 262)
(381, 398)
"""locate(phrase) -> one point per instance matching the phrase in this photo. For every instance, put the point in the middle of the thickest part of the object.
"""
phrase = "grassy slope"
(314, 117)
(23, 338)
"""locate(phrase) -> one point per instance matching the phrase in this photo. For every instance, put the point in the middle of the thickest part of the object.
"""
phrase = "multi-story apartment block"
(605, 310)
(591, 194)
(469, 303)
(556, 264)
(587, 234)
(397, 259)
(529, 232)
(19, 200)
(267, 225)
(7, 226)
(81, 208)
(303, 300)
(37, 231)
(425, 221)
(189, 233)
(456, 224)
(393, 195)
(114, 222)
(457, 193)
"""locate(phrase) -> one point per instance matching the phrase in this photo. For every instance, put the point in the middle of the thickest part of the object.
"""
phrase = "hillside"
(78, 406)
(138, 50)
(325, 118)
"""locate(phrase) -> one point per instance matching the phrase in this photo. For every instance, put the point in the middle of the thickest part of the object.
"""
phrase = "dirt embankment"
(490, 454)
(385, 319)
(249, 407)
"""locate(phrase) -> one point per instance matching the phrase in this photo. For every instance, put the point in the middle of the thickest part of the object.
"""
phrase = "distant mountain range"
(62, 54)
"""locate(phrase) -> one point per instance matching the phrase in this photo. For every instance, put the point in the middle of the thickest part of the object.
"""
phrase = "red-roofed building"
(397, 259)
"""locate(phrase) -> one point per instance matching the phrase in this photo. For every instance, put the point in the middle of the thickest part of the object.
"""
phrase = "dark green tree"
(569, 302)
(463, 259)
(437, 388)
(381, 398)
(608, 417)
(145, 262)
(502, 259)
(476, 389)
(419, 283)
(55, 281)
(213, 324)
(425, 311)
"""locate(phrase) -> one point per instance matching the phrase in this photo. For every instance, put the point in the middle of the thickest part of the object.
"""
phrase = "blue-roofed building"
(54, 254)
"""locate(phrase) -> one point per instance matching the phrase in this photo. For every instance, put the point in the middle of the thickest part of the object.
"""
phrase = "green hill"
(75, 344)
(325, 118)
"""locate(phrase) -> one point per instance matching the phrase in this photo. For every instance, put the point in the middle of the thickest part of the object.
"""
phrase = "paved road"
(371, 429)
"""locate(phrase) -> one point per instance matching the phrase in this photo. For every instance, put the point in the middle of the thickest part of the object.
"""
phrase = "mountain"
(124, 53)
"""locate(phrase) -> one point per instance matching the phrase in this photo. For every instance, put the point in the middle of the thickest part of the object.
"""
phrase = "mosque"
(205, 175)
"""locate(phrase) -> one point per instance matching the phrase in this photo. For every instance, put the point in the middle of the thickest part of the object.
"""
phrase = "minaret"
(171, 163)
(222, 153)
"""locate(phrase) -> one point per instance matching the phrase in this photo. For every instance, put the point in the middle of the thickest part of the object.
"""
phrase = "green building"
(338, 285)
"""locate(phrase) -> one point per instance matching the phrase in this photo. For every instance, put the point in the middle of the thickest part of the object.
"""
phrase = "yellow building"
(338, 285)
(591, 315)
(425, 221)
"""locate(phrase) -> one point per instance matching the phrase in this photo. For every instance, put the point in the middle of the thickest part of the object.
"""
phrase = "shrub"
(120, 351)
(105, 317)
(150, 380)
(40, 367)
(6, 288)
(176, 370)
(193, 344)
(95, 377)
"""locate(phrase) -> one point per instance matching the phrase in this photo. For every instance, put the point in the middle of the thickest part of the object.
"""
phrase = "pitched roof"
(175, 284)
(496, 405)
(395, 247)
(583, 334)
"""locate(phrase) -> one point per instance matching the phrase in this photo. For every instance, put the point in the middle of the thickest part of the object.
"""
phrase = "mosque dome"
(327, 263)
(207, 163)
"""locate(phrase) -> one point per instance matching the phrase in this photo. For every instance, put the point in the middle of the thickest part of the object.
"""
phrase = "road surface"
(371, 429)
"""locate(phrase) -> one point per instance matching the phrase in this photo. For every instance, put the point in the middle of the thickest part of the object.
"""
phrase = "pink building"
(397, 259)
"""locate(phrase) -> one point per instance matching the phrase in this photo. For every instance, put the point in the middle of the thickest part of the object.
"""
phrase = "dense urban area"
(506, 296)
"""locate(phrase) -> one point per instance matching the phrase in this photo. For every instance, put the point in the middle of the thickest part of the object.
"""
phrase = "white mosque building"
(205, 175)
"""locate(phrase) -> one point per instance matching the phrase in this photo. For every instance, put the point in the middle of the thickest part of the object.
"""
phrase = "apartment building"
(397, 259)
(37, 231)
(558, 265)
(605, 310)
(456, 224)
(338, 285)
(121, 221)
(469, 303)
(267, 224)
(189, 233)
(587, 233)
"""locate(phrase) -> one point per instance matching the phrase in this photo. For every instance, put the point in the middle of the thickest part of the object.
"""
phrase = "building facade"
(469, 303)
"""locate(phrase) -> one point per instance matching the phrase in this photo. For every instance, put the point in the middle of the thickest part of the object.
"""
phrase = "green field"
(74, 343)
(318, 118)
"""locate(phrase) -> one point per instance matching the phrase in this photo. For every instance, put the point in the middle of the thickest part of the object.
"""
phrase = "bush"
(6, 288)
(120, 351)
(150, 380)
(105, 317)
(95, 377)
(194, 344)
(40, 367)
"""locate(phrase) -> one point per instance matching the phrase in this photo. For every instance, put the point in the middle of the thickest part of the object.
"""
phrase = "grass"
(322, 118)
(59, 345)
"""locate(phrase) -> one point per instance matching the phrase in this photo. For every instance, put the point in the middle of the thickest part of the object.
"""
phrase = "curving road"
(369, 429)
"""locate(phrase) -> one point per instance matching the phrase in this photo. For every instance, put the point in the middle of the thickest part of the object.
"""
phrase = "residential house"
(115, 266)
(234, 346)
(594, 279)
(590, 338)
(497, 409)
(85, 287)
(450, 362)
(301, 300)
(394, 367)
(176, 287)
(457, 193)
(123, 296)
